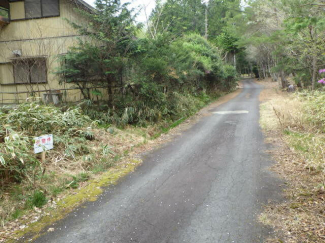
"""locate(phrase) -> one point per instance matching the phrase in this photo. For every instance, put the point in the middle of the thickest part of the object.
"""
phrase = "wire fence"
(47, 95)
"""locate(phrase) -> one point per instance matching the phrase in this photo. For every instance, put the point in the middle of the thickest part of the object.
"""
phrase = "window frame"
(4, 19)
(49, 16)
(28, 62)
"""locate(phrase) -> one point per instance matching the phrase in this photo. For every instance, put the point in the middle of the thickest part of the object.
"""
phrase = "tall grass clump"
(25, 181)
(82, 149)
(314, 109)
(19, 127)
(302, 118)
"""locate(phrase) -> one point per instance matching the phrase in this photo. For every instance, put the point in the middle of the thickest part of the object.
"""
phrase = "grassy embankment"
(86, 156)
(295, 124)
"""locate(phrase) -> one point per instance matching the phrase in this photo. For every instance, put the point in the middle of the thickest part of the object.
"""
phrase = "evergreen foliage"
(145, 79)
(100, 61)
(178, 17)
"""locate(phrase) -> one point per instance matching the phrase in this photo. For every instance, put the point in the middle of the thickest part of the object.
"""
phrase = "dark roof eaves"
(88, 6)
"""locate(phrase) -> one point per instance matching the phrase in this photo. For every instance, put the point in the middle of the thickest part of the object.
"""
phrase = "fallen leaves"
(50, 230)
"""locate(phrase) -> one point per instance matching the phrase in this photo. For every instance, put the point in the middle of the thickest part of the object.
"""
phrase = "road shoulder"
(300, 218)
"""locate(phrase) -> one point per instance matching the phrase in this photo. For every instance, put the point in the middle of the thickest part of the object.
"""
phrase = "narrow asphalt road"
(206, 186)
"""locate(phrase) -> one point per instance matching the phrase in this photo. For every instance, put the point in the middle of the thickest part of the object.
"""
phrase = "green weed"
(37, 199)
(74, 183)
(17, 214)
(98, 168)
(83, 177)
(55, 190)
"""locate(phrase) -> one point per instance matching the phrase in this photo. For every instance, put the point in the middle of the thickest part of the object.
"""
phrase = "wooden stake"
(43, 157)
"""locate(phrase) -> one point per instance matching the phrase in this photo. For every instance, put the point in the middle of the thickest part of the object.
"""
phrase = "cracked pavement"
(206, 186)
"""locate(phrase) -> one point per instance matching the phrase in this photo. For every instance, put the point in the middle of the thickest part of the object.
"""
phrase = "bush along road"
(207, 185)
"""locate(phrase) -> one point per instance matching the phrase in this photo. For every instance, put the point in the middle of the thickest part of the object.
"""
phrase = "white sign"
(43, 143)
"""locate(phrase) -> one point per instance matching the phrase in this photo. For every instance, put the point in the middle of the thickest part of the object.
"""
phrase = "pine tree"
(100, 60)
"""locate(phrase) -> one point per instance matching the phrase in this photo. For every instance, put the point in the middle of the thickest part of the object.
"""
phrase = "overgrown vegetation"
(132, 80)
(22, 174)
(304, 126)
(81, 150)
(300, 119)
(160, 85)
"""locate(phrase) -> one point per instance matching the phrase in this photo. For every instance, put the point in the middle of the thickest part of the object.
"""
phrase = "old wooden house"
(32, 35)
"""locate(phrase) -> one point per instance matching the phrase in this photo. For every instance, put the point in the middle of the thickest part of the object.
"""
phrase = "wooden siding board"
(37, 37)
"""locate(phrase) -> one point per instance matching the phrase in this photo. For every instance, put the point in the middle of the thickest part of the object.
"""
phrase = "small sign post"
(42, 144)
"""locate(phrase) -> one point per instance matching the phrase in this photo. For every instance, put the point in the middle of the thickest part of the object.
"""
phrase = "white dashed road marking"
(230, 112)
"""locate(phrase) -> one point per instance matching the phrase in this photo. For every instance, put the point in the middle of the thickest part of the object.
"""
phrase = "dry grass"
(123, 147)
(59, 170)
(299, 151)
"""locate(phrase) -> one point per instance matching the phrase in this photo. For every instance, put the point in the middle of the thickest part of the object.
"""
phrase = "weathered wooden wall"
(47, 37)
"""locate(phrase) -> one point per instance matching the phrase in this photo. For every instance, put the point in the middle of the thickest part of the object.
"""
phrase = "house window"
(30, 71)
(4, 12)
(41, 8)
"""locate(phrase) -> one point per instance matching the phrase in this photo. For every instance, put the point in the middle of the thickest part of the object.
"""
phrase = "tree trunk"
(260, 74)
(314, 72)
(109, 91)
(284, 82)
(264, 72)
(82, 89)
(274, 77)
(299, 84)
